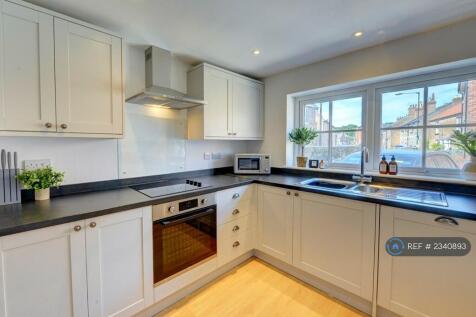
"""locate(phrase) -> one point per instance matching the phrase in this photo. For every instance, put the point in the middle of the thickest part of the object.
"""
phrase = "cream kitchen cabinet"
(94, 267)
(58, 77)
(275, 222)
(234, 105)
(425, 286)
(334, 240)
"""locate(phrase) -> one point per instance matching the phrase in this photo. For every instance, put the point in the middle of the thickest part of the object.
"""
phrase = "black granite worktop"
(33, 215)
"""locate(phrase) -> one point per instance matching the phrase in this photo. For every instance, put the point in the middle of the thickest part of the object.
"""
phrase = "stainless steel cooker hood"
(160, 71)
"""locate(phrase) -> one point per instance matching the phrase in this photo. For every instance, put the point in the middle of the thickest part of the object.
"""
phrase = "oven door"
(251, 165)
(184, 240)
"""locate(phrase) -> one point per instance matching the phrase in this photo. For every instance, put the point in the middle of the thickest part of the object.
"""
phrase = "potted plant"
(41, 180)
(466, 141)
(302, 137)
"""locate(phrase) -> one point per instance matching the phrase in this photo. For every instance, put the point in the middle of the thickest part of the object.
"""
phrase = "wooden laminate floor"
(257, 289)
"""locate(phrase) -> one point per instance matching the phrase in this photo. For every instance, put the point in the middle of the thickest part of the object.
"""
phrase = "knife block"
(10, 191)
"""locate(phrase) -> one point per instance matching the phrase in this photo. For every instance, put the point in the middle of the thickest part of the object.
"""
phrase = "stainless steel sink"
(326, 183)
(365, 189)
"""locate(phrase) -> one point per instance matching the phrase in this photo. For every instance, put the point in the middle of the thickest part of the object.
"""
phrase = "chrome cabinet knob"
(235, 228)
(48, 125)
(235, 212)
(236, 244)
(235, 196)
(171, 209)
(296, 194)
(77, 228)
(288, 193)
(92, 225)
(64, 126)
(204, 201)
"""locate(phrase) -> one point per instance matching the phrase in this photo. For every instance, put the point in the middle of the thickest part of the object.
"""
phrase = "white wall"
(452, 43)
(154, 142)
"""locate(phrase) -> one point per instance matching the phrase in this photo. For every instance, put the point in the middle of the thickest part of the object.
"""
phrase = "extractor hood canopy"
(159, 72)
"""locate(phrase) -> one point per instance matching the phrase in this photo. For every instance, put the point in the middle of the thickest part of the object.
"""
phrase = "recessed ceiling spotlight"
(358, 34)
(256, 52)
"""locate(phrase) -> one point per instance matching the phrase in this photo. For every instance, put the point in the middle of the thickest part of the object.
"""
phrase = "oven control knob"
(171, 209)
(204, 201)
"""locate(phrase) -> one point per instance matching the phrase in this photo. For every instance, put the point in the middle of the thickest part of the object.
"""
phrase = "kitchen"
(242, 175)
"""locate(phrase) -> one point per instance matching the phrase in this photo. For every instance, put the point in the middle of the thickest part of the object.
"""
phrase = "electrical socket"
(34, 164)
(206, 156)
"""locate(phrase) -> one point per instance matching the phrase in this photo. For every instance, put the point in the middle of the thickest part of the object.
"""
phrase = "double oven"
(184, 234)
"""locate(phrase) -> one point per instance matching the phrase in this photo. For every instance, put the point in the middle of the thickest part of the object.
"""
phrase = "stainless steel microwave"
(252, 164)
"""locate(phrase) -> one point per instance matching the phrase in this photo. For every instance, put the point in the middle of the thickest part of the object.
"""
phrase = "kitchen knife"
(3, 159)
(15, 166)
(9, 178)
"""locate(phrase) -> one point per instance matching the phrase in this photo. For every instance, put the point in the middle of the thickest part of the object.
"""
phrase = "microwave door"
(248, 164)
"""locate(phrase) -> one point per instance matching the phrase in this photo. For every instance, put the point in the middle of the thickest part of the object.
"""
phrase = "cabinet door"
(89, 92)
(275, 222)
(217, 111)
(334, 240)
(43, 273)
(119, 263)
(426, 286)
(247, 108)
(27, 91)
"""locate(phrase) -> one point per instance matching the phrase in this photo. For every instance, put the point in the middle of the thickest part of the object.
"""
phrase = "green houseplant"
(302, 137)
(466, 141)
(41, 180)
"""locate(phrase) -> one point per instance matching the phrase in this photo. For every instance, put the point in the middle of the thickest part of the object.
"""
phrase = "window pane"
(316, 116)
(453, 103)
(346, 147)
(441, 153)
(402, 108)
(347, 114)
(404, 144)
(319, 148)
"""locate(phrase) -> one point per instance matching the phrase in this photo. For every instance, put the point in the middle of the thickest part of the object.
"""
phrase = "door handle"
(446, 220)
(235, 212)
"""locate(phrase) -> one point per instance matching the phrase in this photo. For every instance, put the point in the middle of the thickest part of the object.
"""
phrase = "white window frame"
(371, 120)
(330, 97)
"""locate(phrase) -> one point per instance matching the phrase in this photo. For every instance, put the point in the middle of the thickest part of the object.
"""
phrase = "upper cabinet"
(58, 76)
(234, 105)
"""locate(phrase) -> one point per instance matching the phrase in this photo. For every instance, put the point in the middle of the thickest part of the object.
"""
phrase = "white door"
(217, 111)
(43, 272)
(27, 79)
(334, 240)
(275, 222)
(247, 108)
(426, 286)
(89, 94)
(119, 262)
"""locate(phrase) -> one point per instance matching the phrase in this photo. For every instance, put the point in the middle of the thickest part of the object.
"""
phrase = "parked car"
(409, 158)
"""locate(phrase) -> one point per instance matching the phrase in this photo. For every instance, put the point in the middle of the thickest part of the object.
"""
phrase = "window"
(338, 120)
(417, 121)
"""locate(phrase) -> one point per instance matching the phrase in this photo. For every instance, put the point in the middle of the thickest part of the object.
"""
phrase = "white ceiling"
(289, 33)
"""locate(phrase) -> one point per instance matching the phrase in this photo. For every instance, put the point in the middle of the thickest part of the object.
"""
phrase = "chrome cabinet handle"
(48, 125)
(288, 193)
(92, 225)
(236, 244)
(235, 212)
(77, 228)
(64, 126)
(446, 220)
(235, 196)
(235, 228)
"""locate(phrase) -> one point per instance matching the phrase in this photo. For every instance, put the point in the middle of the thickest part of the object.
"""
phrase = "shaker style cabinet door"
(27, 79)
(89, 96)
(119, 263)
(275, 222)
(43, 272)
(422, 286)
(247, 108)
(334, 239)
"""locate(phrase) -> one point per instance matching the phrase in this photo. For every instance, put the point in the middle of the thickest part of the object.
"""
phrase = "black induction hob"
(167, 188)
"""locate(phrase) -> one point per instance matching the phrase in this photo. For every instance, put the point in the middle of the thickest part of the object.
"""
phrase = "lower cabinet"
(334, 240)
(275, 222)
(426, 286)
(96, 267)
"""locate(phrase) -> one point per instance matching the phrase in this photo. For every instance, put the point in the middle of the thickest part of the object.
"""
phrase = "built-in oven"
(184, 234)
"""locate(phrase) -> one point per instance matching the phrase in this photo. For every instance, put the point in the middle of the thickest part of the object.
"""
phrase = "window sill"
(437, 178)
